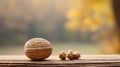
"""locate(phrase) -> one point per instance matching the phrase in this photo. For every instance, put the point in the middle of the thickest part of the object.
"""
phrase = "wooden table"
(54, 61)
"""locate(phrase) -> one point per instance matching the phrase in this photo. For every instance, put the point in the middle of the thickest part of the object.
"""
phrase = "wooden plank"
(53, 61)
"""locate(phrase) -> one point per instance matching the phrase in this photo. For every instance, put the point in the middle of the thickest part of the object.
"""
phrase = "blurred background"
(87, 26)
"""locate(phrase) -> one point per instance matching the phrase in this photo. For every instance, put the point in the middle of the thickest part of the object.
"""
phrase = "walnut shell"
(38, 49)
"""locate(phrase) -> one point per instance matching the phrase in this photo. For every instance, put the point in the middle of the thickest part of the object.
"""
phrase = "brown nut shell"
(70, 55)
(38, 49)
(62, 55)
(38, 54)
(77, 55)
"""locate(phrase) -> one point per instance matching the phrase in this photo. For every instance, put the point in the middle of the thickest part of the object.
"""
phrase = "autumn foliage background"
(83, 25)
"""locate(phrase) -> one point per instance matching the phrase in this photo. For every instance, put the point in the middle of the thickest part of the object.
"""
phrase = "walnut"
(38, 49)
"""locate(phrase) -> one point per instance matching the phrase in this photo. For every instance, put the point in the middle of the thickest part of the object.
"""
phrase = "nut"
(73, 55)
(77, 55)
(62, 55)
(38, 49)
(70, 55)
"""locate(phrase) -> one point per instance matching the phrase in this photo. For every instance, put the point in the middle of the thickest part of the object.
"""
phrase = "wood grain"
(53, 61)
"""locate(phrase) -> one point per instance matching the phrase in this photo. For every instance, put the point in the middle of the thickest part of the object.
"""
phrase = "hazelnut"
(38, 49)
(62, 55)
(77, 55)
(70, 55)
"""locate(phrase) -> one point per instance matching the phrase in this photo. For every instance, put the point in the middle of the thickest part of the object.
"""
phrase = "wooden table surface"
(54, 61)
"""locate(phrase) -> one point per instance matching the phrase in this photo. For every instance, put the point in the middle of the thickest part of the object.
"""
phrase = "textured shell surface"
(37, 43)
